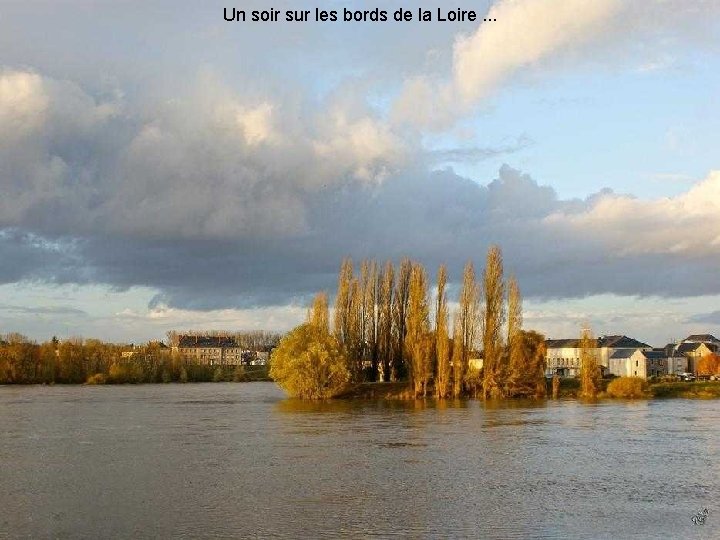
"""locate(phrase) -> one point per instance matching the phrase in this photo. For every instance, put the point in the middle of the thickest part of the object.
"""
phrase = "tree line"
(387, 326)
(78, 361)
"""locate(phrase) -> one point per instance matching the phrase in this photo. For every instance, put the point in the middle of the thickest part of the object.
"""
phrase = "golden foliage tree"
(343, 303)
(458, 358)
(709, 365)
(417, 341)
(402, 297)
(442, 339)
(589, 368)
(385, 320)
(529, 379)
(466, 321)
(517, 361)
(494, 290)
(310, 363)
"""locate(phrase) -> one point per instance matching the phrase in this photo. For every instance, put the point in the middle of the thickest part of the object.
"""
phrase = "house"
(563, 355)
(694, 352)
(675, 362)
(210, 350)
(638, 363)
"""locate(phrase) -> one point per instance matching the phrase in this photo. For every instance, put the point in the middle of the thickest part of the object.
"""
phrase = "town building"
(641, 363)
(218, 351)
(210, 350)
(563, 355)
(692, 349)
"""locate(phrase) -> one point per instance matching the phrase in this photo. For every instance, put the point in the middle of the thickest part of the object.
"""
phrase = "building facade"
(638, 363)
(563, 355)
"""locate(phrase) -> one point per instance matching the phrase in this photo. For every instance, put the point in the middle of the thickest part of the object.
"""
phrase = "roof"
(613, 342)
(621, 354)
(621, 342)
(701, 338)
(187, 342)
(688, 347)
(562, 343)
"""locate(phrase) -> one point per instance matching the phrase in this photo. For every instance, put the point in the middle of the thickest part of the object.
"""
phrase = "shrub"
(309, 364)
(628, 387)
(98, 378)
(239, 374)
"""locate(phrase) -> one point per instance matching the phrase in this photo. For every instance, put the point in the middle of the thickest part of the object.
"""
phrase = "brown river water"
(241, 461)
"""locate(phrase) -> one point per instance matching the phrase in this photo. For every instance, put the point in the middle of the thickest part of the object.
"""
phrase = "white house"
(638, 363)
(563, 355)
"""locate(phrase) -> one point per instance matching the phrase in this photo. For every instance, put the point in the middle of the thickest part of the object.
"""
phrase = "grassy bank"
(569, 389)
(696, 390)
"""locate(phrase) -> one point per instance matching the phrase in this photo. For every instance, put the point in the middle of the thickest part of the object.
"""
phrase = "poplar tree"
(343, 304)
(518, 369)
(589, 369)
(318, 314)
(418, 328)
(467, 320)
(494, 289)
(355, 341)
(458, 356)
(402, 297)
(442, 344)
(369, 283)
(386, 298)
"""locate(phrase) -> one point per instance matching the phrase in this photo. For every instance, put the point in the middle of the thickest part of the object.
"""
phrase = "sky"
(161, 168)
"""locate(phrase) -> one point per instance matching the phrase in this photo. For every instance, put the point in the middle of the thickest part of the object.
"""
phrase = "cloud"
(45, 310)
(705, 318)
(607, 243)
(533, 37)
(210, 163)
(687, 225)
(525, 32)
(474, 154)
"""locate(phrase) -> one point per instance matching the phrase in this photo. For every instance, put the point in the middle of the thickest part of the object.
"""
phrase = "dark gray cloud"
(217, 199)
(436, 217)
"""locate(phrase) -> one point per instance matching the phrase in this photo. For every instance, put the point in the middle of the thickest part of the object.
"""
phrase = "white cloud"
(537, 36)
(526, 31)
(685, 225)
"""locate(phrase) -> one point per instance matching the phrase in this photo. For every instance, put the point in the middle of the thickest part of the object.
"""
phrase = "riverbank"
(569, 389)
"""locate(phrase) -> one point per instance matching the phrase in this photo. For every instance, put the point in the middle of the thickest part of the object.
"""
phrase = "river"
(240, 460)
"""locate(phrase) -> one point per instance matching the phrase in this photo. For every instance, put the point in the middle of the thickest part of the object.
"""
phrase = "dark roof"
(688, 347)
(621, 342)
(562, 343)
(205, 341)
(614, 342)
(622, 353)
(701, 338)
